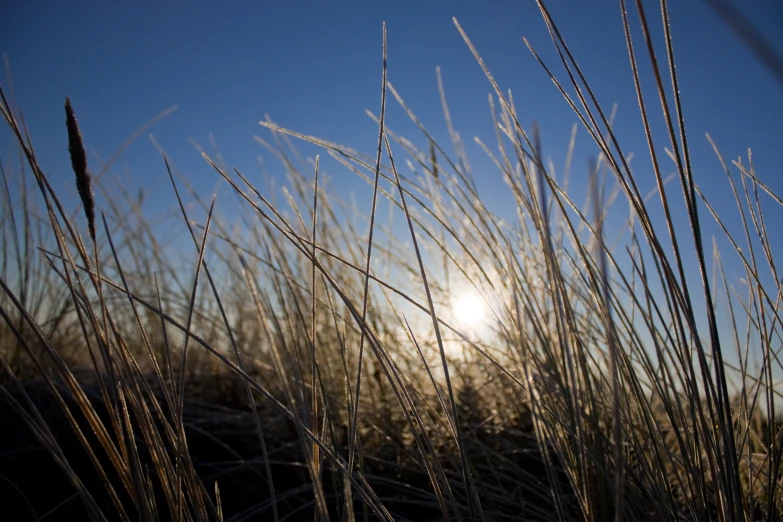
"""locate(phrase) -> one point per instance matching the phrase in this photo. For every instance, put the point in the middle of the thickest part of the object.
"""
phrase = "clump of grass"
(286, 378)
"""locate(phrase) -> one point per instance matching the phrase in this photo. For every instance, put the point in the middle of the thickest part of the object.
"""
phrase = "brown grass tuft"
(79, 164)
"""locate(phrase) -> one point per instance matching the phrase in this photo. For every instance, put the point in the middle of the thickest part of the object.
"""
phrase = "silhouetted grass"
(282, 376)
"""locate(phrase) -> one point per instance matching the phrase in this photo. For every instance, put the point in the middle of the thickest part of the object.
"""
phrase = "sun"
(469, 310)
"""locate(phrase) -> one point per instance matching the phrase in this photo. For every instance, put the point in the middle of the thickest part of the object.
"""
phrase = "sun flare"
(469, 310)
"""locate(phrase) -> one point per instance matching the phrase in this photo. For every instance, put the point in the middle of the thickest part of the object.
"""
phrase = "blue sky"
(315, 66)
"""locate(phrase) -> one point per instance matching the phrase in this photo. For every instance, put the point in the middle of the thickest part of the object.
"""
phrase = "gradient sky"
(315, 66)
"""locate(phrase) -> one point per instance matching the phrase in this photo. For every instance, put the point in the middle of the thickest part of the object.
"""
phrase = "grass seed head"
(79, 164)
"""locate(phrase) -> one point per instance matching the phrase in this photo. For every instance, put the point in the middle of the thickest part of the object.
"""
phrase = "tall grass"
(285, 376)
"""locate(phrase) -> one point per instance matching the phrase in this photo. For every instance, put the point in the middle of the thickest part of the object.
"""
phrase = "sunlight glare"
(469, 310)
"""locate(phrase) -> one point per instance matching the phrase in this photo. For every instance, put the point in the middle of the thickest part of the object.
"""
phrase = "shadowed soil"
(224, 447)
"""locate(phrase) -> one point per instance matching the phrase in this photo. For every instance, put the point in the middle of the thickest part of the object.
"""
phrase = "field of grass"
(307, 363)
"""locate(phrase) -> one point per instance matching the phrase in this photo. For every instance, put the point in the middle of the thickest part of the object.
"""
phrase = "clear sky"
(315, 66)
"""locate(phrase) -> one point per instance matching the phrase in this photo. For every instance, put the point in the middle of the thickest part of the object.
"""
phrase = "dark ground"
(225, 447)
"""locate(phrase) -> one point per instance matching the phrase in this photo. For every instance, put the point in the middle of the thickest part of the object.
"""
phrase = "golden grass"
(285, 377)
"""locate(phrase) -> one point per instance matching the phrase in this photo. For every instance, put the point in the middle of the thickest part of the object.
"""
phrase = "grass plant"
(305, 365)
